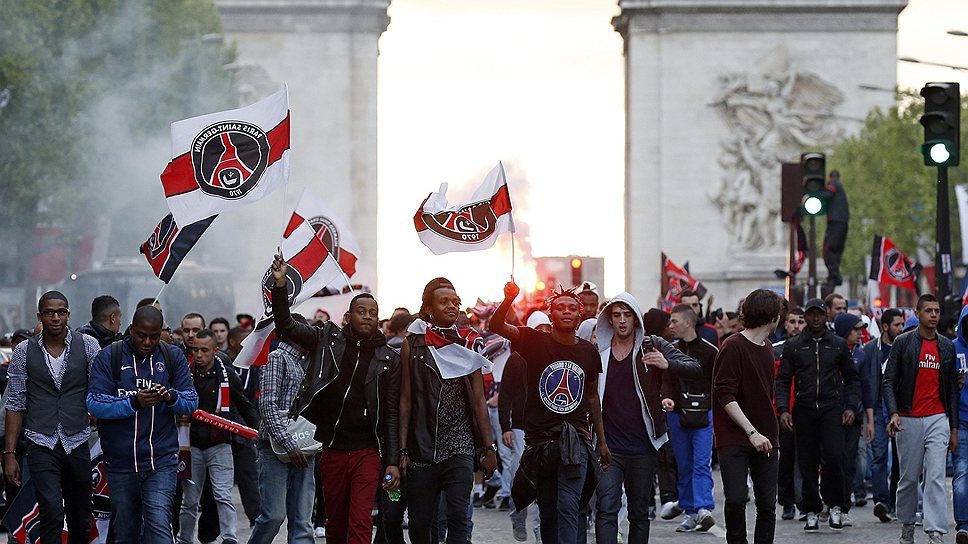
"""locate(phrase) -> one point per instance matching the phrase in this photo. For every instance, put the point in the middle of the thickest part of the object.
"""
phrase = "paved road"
(492, 526)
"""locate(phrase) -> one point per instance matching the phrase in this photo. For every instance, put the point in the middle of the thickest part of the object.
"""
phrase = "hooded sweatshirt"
(646, 382)
(961, 356)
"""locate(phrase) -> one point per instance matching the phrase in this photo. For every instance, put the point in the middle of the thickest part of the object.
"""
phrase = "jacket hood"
(960, 342)
(604, 331)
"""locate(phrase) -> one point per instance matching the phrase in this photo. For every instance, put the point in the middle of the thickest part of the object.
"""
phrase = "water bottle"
(395, 494)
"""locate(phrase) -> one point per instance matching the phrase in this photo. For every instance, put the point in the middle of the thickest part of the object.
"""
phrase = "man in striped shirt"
(46, 398)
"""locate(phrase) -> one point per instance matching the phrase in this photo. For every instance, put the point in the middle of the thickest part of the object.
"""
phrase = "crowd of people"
(587, 408)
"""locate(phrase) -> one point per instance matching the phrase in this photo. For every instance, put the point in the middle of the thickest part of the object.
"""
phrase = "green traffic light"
(813, 205)
(938, 153)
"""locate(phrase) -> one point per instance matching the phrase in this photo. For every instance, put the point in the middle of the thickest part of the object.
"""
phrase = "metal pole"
(942, 260)
(791, 258)
(812, 273)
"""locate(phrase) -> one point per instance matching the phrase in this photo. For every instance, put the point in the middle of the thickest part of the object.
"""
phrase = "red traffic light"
(576, 263)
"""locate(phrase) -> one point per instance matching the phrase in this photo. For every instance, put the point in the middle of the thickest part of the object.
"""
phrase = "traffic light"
(813, 167)
(941, 121)
(575, 271)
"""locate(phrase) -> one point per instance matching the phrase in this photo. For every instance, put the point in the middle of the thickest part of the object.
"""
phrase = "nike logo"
(126, 367)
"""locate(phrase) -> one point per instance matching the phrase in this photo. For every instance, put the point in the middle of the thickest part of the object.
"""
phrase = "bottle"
(395, 494)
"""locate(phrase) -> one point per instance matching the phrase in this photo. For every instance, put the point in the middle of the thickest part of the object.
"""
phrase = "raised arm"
(498, 323)
(295, 332)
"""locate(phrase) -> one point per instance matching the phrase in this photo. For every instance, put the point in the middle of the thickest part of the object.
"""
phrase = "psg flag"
(311, 267)
(675, 280)
(332, 231)
(471, 226)
(168, 245)
(890, 266)
(228, 159)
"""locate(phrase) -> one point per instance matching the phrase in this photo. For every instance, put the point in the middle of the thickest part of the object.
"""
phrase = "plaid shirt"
(279, 385)
(17, 390)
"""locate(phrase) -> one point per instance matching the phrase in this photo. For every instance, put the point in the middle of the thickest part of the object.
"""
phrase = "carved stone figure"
(773, 113)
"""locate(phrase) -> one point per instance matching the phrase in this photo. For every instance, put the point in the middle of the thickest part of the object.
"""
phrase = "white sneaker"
(319, 532)
(705, 520)
(845, 520)
(670, 510)
(688, 524)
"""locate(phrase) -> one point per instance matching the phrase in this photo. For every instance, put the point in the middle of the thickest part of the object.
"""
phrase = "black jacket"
(901, 374)
(425, 384)
(100, 333)
(514, 394)
(325, 345)
(566, 454)
(825, 373)
(207, 385)
(703, 352)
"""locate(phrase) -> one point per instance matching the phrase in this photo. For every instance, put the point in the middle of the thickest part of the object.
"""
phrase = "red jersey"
(927, 388)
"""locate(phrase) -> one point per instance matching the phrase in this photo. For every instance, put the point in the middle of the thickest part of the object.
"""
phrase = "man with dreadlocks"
(558, 465)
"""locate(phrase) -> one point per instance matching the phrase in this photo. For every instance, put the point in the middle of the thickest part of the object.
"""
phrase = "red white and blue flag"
(228, 159)
(168, 245)
(890, 266)
(311, 267)
(472, 226)
(457, 352)
(675, 280)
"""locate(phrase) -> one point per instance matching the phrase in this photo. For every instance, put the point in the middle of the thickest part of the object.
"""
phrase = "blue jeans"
(504, 452)
(286, 492)
(959, 483)
(215, 464)
(558, 498)
(694, 455)
(637, 471)
(141, 504)
(880, 475)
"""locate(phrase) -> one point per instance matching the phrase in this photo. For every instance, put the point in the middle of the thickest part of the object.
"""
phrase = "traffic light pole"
(942, 259)
(812, 271)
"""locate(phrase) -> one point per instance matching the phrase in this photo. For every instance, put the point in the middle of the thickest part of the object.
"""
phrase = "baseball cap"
(587, 287)
(814, 303)
(25, 333)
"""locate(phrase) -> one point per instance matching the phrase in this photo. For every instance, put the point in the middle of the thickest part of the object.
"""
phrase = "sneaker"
(881, 513)
(845, 520)
(824, 514)
(961, 537)
(705, 520)
(652, 513)
(518, 527)
(919, 519)
(789, 512)
(934, 537)
(505, 504)
(813, 523)
(688, 524)
(670, 510)
(860, 502)
(907, 534)
(803, 516)
(319, 532)
(836, 520)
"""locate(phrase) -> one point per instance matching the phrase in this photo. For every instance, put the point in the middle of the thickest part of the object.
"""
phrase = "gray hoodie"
(648, 382)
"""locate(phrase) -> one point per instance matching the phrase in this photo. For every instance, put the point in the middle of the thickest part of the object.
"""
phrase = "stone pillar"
(326, 50)
(718, 94)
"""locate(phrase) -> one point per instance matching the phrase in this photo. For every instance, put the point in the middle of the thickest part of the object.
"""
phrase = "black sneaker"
(860, 502)
(881, 512)
(789, 512)
(813, 524)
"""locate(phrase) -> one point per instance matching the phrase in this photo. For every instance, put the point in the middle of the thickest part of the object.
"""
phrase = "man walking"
(105, 324)
(743, 419)
(920, 389)
(138, 387)
(45, 398)
(220, 393)
(826, 387)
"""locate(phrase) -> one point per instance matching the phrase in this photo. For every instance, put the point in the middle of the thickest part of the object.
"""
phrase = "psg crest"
(294, 283)
(897, 265)
(469, 224)
(158, 242)
(562, 386)
(229, 158)
(327, 233)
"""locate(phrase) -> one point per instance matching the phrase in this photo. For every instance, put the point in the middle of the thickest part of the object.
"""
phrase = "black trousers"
(62, 483)
(820, 439)
(735, 463)
(667, 474)
(834, 240)
(786, 478)
(851, 445)
(454, 478)
(389, 526)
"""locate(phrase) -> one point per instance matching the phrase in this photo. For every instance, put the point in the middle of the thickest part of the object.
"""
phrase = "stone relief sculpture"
(772, 114)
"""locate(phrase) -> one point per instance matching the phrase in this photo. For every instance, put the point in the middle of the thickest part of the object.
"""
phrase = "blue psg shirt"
(559, 379)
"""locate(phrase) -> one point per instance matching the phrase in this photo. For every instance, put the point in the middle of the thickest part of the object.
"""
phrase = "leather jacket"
(326, 345)
(901, 375)
(824, 370)
(425, 383)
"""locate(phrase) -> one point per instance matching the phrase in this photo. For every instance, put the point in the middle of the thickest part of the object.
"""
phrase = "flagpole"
(512, 256)
(158, 296)
(348, 284)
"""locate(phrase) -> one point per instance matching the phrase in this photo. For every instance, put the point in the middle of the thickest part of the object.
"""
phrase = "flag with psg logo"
(228, 159)
(675, 280)
(168, 245)
(889, 265)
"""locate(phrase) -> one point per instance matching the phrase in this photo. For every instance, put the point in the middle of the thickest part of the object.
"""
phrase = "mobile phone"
(647, 344)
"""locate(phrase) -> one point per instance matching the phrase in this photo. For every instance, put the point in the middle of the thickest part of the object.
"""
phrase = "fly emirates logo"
(930, 361)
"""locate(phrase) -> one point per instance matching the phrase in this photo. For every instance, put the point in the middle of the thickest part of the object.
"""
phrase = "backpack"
(116, 353)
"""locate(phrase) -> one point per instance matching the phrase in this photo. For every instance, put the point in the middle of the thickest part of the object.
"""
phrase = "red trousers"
(349, 481)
